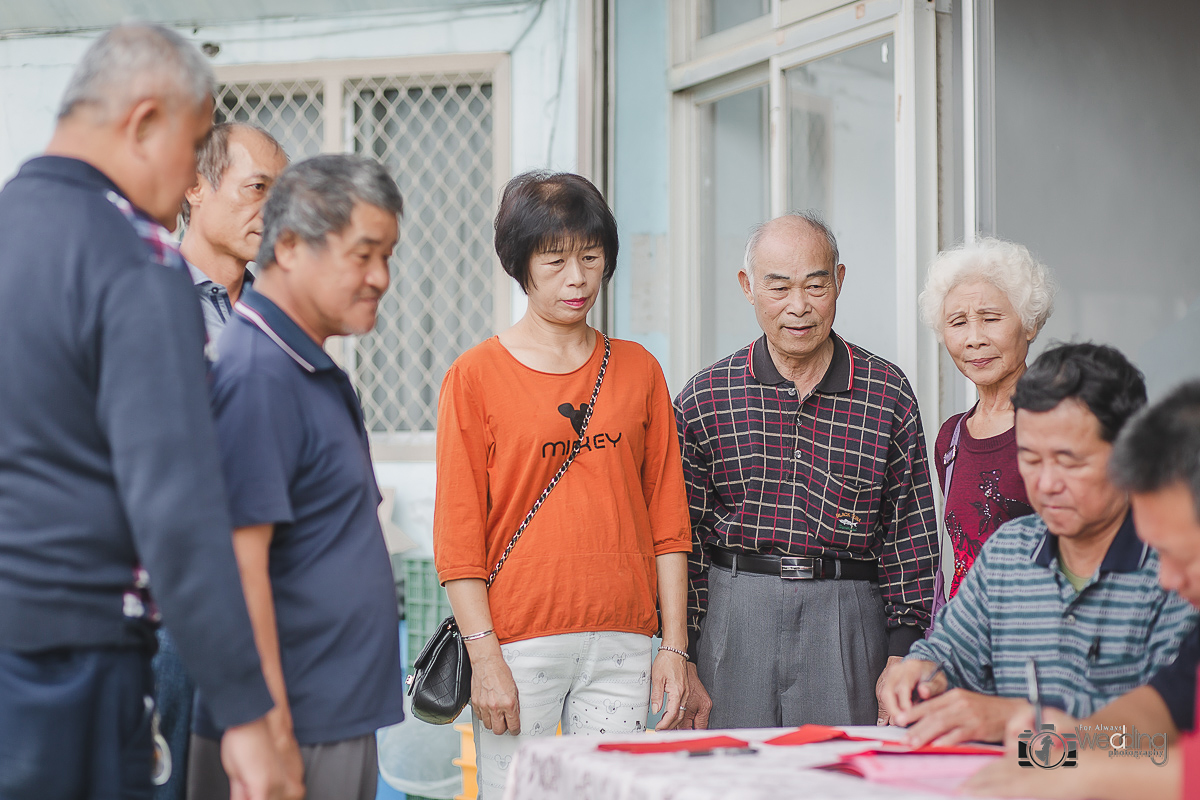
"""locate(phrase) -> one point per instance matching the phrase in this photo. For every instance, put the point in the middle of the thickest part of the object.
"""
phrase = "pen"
(1035, 691)
(722, 751)
(916, 696)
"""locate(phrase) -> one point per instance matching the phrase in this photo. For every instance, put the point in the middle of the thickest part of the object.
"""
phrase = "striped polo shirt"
(1091, 646)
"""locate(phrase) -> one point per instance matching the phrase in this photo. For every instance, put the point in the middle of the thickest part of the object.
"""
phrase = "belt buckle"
(796, 568)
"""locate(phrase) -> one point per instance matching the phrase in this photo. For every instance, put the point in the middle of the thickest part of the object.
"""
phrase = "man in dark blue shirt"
(110, 481)
(302, 488)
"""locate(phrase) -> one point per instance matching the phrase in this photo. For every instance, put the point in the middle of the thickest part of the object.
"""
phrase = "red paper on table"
(674, 746)
(813, 734)
(913, 770)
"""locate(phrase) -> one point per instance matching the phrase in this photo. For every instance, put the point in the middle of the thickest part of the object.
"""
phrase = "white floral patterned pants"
(593, 683)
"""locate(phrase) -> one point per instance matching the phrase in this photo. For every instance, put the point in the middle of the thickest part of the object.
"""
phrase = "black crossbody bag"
(440, 685)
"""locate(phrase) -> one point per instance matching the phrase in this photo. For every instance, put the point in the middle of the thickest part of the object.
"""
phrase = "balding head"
(792, 277)
(133, 62)
(795, 229)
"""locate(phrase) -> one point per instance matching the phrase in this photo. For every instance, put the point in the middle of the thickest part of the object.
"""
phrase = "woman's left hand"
(669, 675)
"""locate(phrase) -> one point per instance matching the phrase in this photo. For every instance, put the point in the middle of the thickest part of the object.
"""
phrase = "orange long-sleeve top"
(587, 560)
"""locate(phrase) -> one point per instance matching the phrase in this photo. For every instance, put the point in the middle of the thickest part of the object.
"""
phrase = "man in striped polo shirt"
(1071, 586)
(1156, 461)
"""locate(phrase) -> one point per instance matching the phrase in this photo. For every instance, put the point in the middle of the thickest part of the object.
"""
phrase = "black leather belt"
(796, 568)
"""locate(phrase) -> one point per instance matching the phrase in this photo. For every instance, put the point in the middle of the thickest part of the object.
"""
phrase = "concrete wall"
(541, 37)
(1098, 169)
(641, 288)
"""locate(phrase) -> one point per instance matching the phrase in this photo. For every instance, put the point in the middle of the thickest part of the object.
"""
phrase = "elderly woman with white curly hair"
(986, 301)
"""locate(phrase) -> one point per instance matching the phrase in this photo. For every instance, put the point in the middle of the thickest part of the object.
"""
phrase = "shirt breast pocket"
(846, 511)
(1117, 675)
(1118, 664)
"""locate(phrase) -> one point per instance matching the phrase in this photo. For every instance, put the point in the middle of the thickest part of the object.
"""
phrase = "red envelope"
(812, 734)
(674, 746)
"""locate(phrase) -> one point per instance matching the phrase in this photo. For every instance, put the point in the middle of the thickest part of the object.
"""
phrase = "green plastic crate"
(425, 604)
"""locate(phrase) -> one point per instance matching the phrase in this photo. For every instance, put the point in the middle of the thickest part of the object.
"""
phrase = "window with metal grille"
(442, 135)
(293, 111)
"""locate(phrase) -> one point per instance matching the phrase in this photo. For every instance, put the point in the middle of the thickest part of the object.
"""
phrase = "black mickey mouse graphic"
(574, 414)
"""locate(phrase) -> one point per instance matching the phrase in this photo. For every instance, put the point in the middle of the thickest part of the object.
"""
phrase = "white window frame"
(333, 74)
(803, 31)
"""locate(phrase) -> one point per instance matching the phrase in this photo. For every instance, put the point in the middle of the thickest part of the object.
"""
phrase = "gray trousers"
(347, 770)
(777, 652)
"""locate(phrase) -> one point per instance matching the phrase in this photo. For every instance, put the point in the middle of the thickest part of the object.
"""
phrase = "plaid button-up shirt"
(841, 473)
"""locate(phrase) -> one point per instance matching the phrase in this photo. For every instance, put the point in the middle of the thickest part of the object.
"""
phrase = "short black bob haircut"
(1094, 374)
(1161, 446)
(549, 211)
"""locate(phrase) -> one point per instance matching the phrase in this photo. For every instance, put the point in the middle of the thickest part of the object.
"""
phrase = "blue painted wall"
(640, 196)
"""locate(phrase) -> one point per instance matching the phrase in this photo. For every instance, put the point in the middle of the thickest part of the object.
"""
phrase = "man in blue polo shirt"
(110, 485)
(1071, 585)
(314, 566)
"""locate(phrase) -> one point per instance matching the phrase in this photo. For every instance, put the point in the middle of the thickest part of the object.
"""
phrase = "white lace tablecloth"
(571, 767)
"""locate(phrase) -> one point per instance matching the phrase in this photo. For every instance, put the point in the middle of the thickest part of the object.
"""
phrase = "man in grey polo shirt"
(1071, 586)
(235, 169)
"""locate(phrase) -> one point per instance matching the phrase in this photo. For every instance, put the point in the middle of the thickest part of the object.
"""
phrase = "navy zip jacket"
(108, 456)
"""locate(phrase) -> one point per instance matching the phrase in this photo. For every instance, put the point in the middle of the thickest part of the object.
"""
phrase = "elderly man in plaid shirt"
(815, 537)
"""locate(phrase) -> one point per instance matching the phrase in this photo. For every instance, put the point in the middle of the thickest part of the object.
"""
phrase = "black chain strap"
(587, 417)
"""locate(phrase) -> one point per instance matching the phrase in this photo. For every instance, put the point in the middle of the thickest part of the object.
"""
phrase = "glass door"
(833, 109)
(840, 143)
(734, 190)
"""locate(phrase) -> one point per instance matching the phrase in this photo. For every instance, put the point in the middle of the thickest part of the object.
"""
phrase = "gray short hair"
(212, 159)
(134, 61)
(1006, 265)
(316, 197)
(813, 220)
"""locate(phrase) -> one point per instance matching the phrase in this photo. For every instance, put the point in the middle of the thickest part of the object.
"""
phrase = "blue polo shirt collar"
(1126, 553)
(281, 329)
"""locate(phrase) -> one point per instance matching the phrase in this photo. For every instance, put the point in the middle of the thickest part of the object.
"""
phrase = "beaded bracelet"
(479, 635)
(674, 650)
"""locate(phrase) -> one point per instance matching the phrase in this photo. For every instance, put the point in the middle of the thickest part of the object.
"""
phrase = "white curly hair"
(1006, 265)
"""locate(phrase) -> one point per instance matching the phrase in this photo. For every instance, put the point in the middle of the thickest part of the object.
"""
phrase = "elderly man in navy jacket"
(111, 498)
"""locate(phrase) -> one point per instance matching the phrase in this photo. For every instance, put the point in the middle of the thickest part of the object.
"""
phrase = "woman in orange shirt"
(563, 634)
